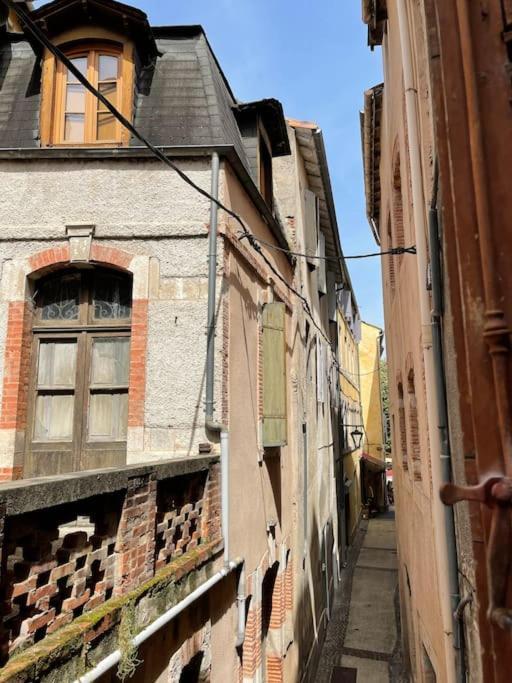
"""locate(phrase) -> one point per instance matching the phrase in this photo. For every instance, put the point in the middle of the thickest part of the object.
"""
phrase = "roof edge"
(370, 136)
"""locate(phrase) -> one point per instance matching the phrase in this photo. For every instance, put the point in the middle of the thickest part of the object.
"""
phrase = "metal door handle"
(496, 493)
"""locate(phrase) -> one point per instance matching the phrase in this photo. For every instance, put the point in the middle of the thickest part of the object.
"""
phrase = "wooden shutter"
(321, 372)
(331, 296)
(274, 376)
(311, 226)
(322, 280)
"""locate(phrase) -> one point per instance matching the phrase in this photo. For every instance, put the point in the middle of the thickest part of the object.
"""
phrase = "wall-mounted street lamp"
(357, 437)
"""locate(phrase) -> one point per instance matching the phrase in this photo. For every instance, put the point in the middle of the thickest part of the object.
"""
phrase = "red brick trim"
(111, 256)
(139, 341)
(16, 367)
(13, 409)
(10, 473)
(274, 669)
(49, 257)
(251, 654)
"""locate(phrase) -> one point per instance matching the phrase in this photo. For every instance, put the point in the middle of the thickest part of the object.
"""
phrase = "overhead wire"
(396, 251)
(41, 38)
(57, 52)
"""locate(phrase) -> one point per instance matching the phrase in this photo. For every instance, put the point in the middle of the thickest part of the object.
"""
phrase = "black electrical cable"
(43, 40)
(396, 251)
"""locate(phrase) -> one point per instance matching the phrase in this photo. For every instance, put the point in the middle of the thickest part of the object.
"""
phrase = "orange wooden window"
(75, 116)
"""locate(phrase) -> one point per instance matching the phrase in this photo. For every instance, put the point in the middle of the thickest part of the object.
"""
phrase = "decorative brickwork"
(179, 522)
(211, 517)
(136, 537)
(138, 346)
(55, 566)
(67, 560)
(111, 256)
(274, 669)
(17, 361)
(251, 655)
(414, 432)
(402, 426)
(49, 257)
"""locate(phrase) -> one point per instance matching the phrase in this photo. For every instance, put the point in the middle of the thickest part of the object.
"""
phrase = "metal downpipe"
(445, 456)
(210, 423)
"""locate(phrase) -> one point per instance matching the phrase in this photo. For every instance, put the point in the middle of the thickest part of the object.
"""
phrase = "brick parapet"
(68, 560)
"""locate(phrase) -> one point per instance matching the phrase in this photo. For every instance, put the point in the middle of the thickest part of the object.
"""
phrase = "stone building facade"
(139, 478)
(436, 136)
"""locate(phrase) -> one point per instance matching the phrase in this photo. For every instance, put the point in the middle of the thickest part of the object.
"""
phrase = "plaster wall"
(148, 211)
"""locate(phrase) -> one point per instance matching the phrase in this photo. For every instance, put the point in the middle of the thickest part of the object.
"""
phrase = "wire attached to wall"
(45, 42)
(396, 251)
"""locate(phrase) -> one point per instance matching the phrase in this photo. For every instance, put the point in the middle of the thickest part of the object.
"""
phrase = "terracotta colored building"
(437, 139)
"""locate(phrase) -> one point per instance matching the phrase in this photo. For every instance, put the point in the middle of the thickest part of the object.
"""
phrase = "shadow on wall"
(181, 652)
(311, 613)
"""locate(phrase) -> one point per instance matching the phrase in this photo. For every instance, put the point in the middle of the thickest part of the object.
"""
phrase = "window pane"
(57, 364)
(112, 297)
(108, 68)
(110, 361)
(108, 417)
(54, 418)
(60, 298)
(109, 90)
(106, 127)
(75, 98)
(81, 65)
(74, 128)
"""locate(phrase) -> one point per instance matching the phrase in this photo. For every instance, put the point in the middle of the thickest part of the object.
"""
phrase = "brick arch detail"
(13, 406)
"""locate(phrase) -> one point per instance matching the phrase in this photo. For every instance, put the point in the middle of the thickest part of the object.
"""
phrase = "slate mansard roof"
(182, 97)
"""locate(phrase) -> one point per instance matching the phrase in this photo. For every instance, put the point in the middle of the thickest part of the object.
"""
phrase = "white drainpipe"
(420, 229)
(106, 664)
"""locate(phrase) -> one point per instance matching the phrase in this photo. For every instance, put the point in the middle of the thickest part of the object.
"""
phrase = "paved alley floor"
(364, 631)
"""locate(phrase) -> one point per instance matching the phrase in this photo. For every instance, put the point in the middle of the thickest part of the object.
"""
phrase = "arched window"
(78, 408)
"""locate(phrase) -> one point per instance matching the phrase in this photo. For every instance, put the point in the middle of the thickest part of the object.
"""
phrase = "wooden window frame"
(74, 44)
(81, 452)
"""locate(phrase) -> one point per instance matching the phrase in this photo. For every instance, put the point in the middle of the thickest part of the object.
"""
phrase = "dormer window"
(70, 114)
(81, 118)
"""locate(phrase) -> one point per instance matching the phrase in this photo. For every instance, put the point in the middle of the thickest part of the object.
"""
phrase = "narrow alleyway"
(363, 637)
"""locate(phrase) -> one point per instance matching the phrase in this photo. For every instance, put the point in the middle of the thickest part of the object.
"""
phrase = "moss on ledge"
(168, 587)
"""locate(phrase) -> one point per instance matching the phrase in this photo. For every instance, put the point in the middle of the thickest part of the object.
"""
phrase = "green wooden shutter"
(274, 375)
